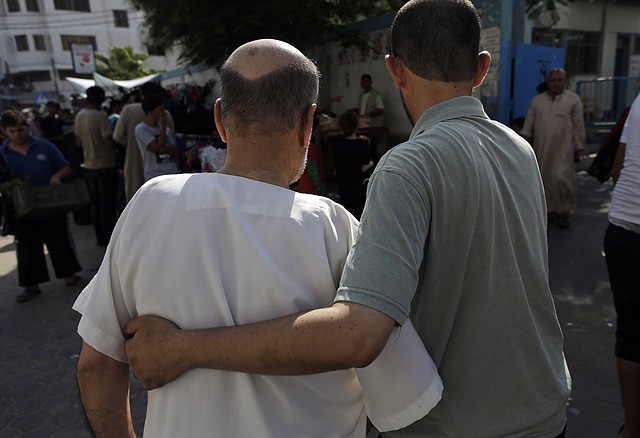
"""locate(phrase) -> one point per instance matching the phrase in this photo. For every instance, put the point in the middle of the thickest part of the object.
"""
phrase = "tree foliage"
(122, 63)
(208, 31)
(534, 8)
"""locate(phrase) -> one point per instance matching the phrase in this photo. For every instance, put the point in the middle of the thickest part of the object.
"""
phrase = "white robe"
(557, 127)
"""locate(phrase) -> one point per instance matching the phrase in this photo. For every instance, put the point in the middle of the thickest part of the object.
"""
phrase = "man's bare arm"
(343, 336)
(618, 162)
(104, 388)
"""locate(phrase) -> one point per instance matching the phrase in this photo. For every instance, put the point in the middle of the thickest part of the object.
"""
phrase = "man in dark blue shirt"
(39, 162)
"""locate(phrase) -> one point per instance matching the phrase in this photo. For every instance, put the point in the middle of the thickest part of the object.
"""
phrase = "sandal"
(76, 282)
(28, 293)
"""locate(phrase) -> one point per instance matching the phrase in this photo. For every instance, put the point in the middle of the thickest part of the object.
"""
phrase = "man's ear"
(396, 70)
(484, 61)
(307, 125)
(217, 118)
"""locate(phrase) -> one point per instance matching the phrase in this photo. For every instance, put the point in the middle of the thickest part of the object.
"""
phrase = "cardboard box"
(33, 201)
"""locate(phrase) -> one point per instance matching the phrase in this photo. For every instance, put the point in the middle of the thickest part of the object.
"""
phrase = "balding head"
(266, 86)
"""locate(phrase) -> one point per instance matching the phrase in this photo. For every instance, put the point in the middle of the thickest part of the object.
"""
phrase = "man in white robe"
(555, 121)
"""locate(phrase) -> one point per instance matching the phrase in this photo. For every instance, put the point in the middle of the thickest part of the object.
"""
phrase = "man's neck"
(432, 93)
(247, 159)
(263, 175)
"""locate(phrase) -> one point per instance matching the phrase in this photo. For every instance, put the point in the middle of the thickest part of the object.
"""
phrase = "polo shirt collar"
(463, 106)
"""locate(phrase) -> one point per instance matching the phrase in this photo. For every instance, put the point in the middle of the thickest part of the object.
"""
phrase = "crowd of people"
(113, 145)
(440, 241)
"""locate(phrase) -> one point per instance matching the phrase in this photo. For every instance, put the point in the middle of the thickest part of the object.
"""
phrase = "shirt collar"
(463, 106)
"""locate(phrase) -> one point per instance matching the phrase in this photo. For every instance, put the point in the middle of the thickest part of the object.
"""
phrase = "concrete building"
(36, 39)
(602, 39)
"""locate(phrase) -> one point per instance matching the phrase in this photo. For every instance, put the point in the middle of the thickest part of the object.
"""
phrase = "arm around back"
(346, 335)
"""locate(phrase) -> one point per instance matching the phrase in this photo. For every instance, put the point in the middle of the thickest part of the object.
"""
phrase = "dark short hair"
(12, 118)
(53, 103)
(95, 95)
(150, 88)
(348, 122)
(151, 102)
(366, 76)
(274, 102)
(438, 39)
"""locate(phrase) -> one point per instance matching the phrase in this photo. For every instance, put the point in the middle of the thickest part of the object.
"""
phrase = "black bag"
(603, 162)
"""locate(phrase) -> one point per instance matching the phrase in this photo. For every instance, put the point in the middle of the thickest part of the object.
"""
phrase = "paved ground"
(39, 348)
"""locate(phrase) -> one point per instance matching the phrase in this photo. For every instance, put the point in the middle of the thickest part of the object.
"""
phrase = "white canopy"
(81, 85)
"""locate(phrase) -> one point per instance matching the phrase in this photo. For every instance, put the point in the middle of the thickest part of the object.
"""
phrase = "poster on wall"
(83, 59)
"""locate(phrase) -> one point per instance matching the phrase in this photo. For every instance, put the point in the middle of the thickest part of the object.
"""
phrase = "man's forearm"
(343, 336)
(104, 388)
(62, 173)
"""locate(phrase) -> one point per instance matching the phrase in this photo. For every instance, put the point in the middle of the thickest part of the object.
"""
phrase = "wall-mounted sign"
(83, 58)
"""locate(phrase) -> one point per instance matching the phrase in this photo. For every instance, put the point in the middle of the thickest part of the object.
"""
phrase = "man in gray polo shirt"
(453, 235)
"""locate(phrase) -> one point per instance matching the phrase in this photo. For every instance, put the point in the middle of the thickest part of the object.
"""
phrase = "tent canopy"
(109, 85)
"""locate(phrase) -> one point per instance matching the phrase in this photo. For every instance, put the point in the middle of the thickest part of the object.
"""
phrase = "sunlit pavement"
(39, 346)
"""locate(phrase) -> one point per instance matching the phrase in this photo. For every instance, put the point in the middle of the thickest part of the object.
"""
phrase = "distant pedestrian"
(93, 135)
(622, 248)
(555, 121)
(124, 134)
(39, 162)
(52, 126)
(353, 161)
(156, 144)
(371, 111)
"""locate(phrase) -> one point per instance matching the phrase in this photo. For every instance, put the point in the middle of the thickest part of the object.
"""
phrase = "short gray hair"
(274, 102)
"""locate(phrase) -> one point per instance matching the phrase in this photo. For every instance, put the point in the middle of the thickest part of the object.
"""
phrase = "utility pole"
(55, 78)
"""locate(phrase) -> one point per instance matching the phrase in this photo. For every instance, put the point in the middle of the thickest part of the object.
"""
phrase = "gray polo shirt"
(454, 236)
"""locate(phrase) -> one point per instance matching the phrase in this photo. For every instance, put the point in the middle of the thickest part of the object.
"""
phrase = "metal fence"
(605, 99)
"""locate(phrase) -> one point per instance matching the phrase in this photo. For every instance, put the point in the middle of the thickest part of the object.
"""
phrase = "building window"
(582, 48)
(72, 5)
(120, 18)
(13, 5)
(32, 76)
(155, 50)
(38, 43)
(32, 6)
(67, 40)
(22, 43)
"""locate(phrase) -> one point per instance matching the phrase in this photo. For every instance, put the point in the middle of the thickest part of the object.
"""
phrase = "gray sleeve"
(382, 269)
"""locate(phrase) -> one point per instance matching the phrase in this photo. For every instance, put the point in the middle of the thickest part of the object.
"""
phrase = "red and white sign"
(83, 58)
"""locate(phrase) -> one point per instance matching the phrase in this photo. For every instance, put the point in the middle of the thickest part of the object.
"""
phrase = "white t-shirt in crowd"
(154, 164)
(625, 201)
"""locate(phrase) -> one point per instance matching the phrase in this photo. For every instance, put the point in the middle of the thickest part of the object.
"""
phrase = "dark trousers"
(622, 248)
(103, 191)
(31, 235)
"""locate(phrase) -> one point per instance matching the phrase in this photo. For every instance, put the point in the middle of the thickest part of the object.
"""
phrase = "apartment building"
(36, 38)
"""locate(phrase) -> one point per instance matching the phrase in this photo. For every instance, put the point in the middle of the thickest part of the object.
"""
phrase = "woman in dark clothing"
(353, 160)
